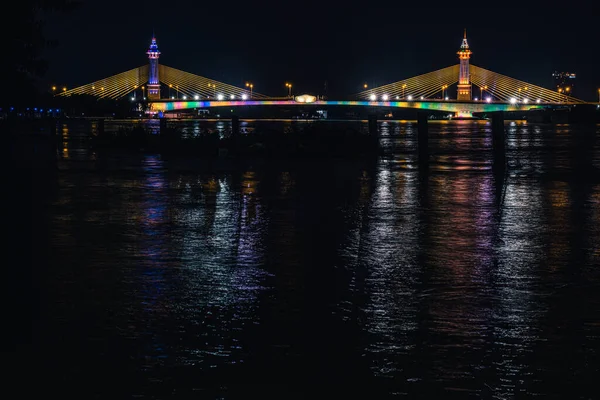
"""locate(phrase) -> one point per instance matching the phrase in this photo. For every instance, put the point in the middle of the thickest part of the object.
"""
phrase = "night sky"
(342, 44)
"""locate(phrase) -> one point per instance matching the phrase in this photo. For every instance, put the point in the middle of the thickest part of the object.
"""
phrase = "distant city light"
(409, 97)
(132, 98)
(513, 100)
(244, 97)
(196, 97)
(219, 97)
(385, 97)
(372, 97)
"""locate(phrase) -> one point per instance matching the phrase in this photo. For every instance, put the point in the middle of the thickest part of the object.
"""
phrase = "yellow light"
(64, 89)
(94, 87)
(53, 87)
(365, 86)
(305, 98)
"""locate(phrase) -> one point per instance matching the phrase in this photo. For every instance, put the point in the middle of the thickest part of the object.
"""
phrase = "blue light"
(34, 108)
(27, 108)
(41, 109)
(12, 108)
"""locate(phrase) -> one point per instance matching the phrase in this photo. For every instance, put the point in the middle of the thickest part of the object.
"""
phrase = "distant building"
(564, 82)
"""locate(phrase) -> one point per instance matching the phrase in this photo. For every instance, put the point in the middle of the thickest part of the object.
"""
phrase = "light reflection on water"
(361, 278)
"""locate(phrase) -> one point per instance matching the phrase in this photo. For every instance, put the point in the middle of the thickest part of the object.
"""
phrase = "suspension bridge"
(497, 92)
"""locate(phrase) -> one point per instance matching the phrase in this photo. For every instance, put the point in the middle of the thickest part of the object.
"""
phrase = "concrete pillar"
(162, 127)
(498, 141)
(100, 127)
(373, 125)
(422, 138)
(235, 125)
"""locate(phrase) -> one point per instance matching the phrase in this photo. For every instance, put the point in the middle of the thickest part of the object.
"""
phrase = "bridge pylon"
(464, 77)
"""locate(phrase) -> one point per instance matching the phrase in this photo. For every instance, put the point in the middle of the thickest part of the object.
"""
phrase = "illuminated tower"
(464, 81)
(153, 82)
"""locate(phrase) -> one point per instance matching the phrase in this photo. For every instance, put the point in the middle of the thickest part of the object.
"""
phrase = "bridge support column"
(162, 127)
(498, 142)
(100, 127)
(373, 125)
(166, 136)
(422, 139)
(235, 125)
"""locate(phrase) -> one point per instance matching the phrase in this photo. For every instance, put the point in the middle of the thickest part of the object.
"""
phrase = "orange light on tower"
(464, 77)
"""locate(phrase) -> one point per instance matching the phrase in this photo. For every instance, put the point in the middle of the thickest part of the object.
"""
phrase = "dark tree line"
(24, 41)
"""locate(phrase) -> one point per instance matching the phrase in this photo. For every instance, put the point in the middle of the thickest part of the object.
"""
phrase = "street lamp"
(250, 85)
(289, 86)
(214, 87)
(444, 87)
(481, 89)
(54, 89)
(64, 89)
(566, 95)
(560, 90)
(170, 89)
(366, 86)
(403, 87)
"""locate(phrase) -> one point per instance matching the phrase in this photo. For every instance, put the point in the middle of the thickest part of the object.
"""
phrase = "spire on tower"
(464, 45)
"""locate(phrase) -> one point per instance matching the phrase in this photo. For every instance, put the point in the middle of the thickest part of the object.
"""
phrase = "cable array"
(508, 89)
(178, 83)
(425, 85)
(190, 85)
(113, 87)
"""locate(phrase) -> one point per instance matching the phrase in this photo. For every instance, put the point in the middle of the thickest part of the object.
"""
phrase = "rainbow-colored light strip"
(461, 108)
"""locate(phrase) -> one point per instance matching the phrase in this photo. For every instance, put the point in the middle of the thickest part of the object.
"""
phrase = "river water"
(165, 278)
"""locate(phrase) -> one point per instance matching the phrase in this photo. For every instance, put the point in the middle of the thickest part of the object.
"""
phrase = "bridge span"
(459, 108)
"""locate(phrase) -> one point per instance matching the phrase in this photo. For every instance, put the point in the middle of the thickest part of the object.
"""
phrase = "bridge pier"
(372, 124)
(100, 127)
(422, 139)
(235, 125)
(498, 142)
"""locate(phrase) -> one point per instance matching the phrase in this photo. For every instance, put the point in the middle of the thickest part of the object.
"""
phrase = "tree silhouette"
(22, 63)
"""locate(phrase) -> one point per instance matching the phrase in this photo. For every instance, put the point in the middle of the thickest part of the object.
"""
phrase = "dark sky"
(342, 43)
